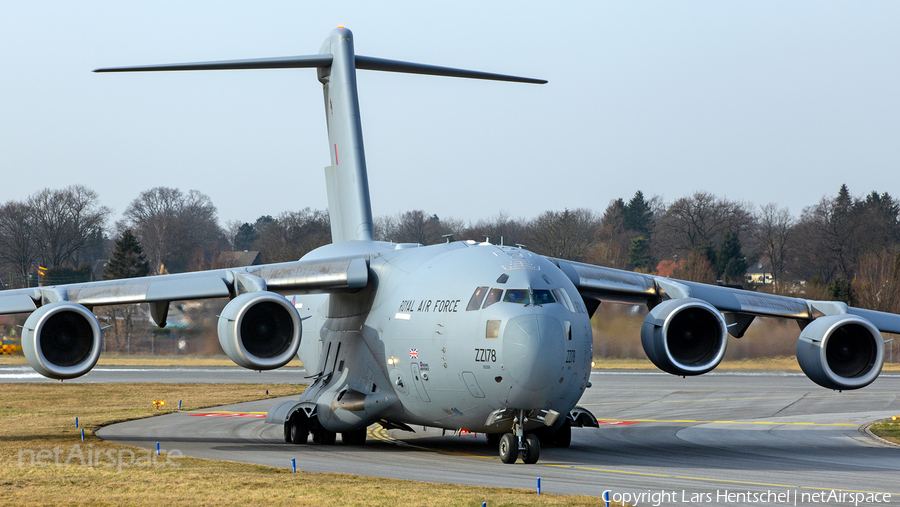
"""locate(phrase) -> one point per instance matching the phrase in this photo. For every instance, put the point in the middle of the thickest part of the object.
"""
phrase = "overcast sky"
(757, 101)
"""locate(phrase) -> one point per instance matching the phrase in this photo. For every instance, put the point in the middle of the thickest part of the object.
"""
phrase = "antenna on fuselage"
(347, 184)
(448, 236)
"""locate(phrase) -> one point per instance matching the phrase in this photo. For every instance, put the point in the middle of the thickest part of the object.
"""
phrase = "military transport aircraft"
(462, 335)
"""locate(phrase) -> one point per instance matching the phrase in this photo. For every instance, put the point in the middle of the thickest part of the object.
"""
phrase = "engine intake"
(260, 330)
(841, 352)
(61, 340)
(684, 336)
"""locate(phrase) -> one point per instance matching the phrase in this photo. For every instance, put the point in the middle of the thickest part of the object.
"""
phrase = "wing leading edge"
(607, 284)
(308, 277)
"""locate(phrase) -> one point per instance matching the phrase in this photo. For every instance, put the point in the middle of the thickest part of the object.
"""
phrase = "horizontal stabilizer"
(370, 63)
(282, 62)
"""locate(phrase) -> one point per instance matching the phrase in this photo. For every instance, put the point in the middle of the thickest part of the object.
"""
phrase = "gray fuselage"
(524, 343)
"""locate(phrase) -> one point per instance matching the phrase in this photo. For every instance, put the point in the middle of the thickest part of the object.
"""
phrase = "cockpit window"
(493, 297)
(543, 297)
(519, 296)
(563, 298)
(477, 298)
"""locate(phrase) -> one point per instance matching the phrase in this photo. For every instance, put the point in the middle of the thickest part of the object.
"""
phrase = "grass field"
(39, 417)
(887, 429)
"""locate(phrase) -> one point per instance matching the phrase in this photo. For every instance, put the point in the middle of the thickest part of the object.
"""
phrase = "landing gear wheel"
(357, 437)
(563, 436)
(532, 449)
(509, 448)
(287, 431)
(299, 429)
(493, 439)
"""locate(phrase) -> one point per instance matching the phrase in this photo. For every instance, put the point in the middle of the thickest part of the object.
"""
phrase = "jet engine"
(61, 340)
(841, 352)
(260, 330)
(684, 336)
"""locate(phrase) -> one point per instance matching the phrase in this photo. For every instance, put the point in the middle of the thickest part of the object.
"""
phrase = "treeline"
(844, 247)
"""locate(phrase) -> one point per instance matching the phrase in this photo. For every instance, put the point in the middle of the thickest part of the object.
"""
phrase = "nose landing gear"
(517, 443)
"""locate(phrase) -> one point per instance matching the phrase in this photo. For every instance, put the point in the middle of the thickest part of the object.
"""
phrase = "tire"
(287, 431)
(493, 439)
(299, 429)
(532, 449)
(563, 436)
(509, 448)
(357, 437)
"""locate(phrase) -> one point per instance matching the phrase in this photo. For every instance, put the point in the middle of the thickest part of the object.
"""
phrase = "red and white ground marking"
(259, 415)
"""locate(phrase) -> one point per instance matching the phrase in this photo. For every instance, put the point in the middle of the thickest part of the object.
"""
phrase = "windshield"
(519, 296)
(543, 297)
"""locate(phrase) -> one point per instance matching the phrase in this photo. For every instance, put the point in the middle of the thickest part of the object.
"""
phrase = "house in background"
(759, 274)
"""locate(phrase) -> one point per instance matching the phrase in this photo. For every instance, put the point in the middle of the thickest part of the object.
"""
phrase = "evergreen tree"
(128, 261)
(730, 262)
(844, 201)
(245, 237)
(637, 215)
(841, 290)
(613, 220)
(639, 254)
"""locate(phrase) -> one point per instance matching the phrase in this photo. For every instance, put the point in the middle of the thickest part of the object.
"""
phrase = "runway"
(696, 441)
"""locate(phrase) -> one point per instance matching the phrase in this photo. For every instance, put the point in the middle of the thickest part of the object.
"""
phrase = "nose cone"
(533, 349)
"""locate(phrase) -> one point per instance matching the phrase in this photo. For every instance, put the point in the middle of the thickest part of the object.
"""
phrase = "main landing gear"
(517, 443)
(299, 426)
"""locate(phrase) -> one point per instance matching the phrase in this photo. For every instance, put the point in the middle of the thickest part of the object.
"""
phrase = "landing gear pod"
(61, 340)
(841, 352)
(259, 330)
(684, 336)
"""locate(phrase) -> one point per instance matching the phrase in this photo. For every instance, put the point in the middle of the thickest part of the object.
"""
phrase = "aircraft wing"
(310, 277)
(607, 284)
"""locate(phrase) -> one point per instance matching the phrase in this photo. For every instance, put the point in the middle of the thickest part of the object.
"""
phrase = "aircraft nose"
(533, 347)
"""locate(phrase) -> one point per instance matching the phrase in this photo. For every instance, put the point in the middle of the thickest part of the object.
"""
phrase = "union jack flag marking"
(413, 353)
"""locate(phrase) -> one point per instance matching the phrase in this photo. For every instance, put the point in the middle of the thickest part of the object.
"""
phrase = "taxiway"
(718, 434)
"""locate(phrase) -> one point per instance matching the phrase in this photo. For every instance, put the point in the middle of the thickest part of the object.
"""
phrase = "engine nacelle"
(260, 330)
(61, 340)
(684, 336)
(841, 352)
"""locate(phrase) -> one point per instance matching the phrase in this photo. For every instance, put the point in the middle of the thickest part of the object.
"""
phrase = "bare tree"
(294, 233)
(18, 246)
(826, 240)
(567, 234)
(175, 229)
(499, 229)
(772, 233)
(877, 284)
(696, 268)
(417, 227)
(698, 222)
(66, 221)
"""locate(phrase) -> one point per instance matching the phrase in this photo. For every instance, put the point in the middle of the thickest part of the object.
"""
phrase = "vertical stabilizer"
(345, 179)
(336, 63)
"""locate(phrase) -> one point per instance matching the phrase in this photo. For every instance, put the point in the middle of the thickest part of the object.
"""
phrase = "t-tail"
(336, 63)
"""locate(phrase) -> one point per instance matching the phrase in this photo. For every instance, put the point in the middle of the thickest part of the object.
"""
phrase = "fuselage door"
(419, 381)
(472, 384)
